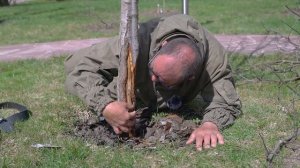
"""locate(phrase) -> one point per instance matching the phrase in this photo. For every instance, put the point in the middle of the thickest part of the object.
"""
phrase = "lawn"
(39, 85)
(50, 20)
(271, 103)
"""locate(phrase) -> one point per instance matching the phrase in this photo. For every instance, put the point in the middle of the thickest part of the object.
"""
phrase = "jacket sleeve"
(92, 74)
(223, 103)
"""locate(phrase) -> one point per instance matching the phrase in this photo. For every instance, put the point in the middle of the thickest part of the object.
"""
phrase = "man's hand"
(207, 135)
(118, 116)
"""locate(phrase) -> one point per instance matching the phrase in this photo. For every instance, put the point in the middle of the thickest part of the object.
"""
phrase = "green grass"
(39, 86)
(49, 20)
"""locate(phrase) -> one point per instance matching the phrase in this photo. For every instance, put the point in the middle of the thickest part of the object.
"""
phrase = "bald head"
(166, 70)
(176, 61)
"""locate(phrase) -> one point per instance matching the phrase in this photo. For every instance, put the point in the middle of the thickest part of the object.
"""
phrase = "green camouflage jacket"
(92, 72)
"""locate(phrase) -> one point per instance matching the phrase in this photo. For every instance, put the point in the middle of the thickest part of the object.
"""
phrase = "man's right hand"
(118, 116)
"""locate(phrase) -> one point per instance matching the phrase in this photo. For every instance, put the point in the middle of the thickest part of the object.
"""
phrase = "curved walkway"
(245, 44)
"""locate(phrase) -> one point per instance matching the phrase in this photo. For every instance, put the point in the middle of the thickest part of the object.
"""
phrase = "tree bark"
(124, 44)
(133, 52)
(129, 51)
(134, 30)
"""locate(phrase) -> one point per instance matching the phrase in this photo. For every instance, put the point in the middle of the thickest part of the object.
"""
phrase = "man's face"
(165, 71)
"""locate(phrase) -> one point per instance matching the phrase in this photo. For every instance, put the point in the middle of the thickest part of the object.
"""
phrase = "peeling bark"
(129, 51)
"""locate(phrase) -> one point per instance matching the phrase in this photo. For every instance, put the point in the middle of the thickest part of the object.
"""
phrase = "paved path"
(246, 44)
(44, 50)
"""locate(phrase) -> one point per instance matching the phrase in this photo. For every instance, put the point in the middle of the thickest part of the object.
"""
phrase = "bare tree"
(283, 72)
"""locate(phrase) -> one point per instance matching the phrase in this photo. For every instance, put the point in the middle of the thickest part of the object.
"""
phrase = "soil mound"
(147, 133)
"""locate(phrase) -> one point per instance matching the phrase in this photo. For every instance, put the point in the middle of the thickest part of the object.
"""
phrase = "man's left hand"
(206, 136)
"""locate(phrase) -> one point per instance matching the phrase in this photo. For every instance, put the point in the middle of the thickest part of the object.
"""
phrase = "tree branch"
(294, 12)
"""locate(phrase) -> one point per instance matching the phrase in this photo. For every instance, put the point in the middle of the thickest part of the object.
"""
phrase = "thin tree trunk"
(133, 52)
(129, 51)
(124, 44)
(134, 30)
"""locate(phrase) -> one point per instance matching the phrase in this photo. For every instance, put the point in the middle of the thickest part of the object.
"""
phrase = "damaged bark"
(129, 51)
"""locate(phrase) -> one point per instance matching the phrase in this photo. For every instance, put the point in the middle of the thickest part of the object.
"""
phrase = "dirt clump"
(147, 132)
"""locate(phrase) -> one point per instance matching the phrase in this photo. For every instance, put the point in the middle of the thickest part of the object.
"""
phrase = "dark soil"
(147, 133)
(173, 128)
(170, 129)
